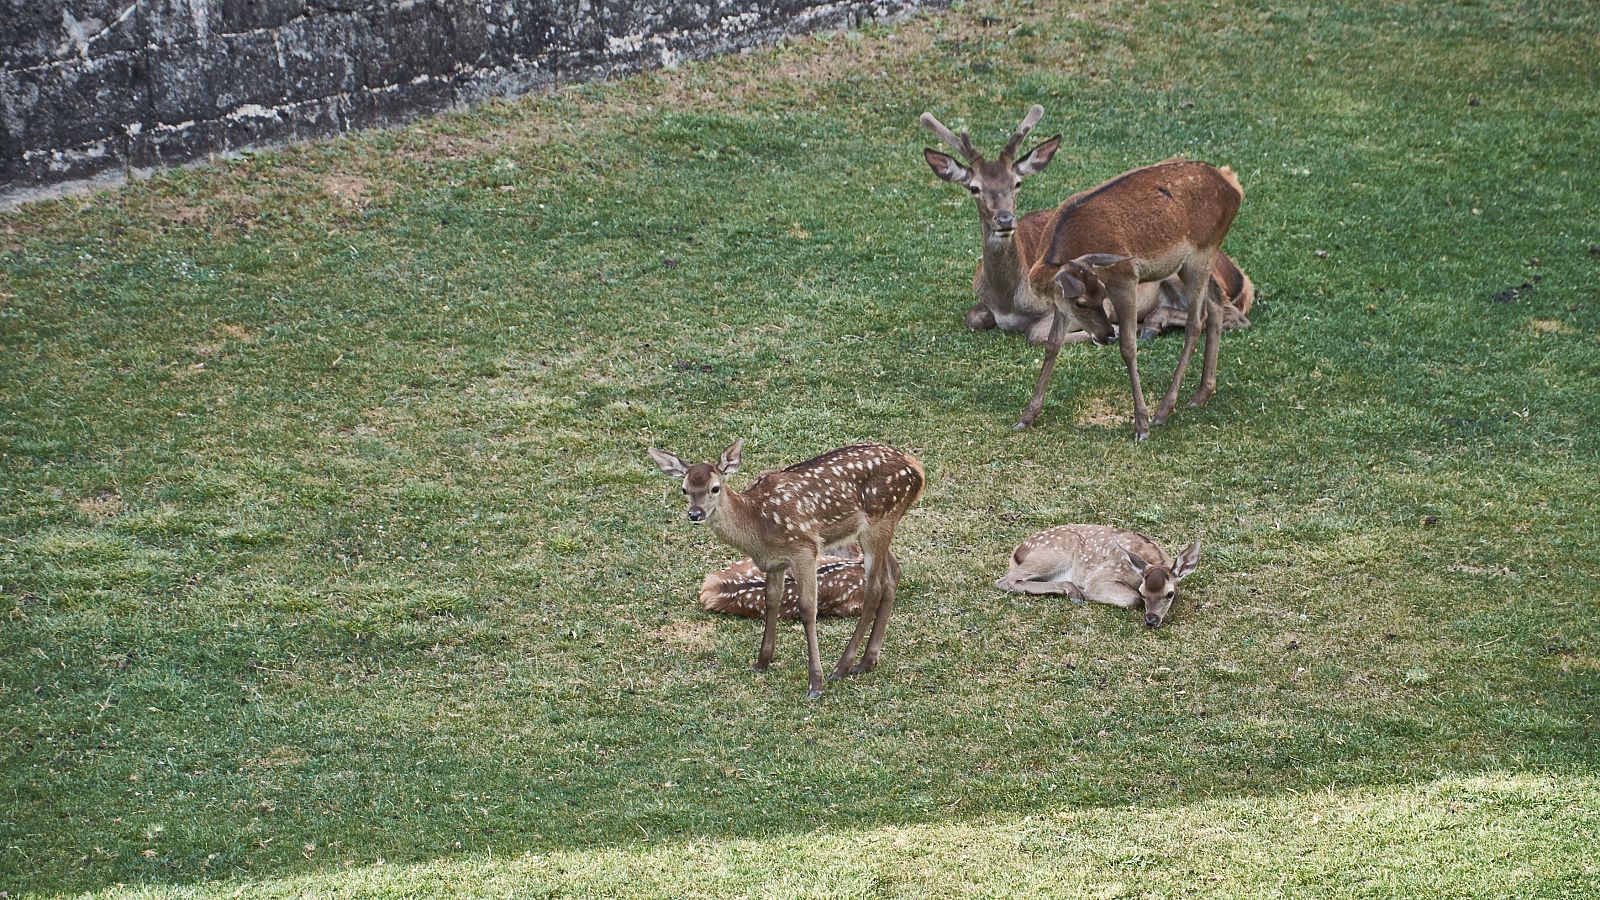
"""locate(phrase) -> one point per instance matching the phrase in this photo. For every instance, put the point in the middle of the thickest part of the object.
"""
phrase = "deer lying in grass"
(786, 519)
(1012, 245)
(1102, 564)
(741, 589)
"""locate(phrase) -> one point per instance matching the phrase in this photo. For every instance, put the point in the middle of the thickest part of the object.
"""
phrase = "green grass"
(331, 562)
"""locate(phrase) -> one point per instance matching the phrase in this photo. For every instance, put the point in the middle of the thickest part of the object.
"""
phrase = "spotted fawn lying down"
(1102, 564)
(741, 589)
(788, 518)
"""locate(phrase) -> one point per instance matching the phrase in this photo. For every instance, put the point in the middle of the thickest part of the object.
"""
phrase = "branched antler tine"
(962, 144)
(1035, 113)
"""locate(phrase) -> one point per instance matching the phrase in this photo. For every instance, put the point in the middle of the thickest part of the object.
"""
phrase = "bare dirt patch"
(276, 758)
(225, 334)
(351, 191)
(101, 506)
(686, 634)
(1465, 569)
(1103, 410)
(1546, 326)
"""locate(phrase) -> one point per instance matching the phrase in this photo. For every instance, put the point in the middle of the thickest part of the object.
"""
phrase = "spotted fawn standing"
(786, 519)
(1103, 564)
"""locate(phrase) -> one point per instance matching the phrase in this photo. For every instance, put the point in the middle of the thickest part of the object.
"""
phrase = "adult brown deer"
(1103, 564)
(1141, 226)
(741, 590)
(1011, 245)
(786, 519)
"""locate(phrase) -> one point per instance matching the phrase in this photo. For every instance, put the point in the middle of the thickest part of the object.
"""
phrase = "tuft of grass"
(331, 563)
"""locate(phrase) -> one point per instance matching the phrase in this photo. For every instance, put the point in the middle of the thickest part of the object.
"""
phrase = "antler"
(1035, 113)
(959, 143)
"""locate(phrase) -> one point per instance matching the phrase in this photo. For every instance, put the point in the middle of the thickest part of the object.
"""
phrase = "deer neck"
(737, 523)
(1002, 271)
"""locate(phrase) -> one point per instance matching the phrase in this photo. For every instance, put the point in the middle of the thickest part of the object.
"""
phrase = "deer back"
(828, 499)
(1148, 214)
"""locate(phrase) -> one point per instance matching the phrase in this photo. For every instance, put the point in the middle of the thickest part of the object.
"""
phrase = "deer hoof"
(1142, 434)
(1021, 425)
(760, 668)
(836, 675)
(814, 694)
(980, 318)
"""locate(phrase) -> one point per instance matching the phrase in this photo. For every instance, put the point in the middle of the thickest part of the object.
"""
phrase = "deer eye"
(716, 489)
(972, 188)
(1017, 183)
(1082, 302)
(1169, 595)
(685, 491)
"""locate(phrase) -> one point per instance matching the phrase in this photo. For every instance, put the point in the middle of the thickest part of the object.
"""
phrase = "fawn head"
(1081, 287)
(702, 482)
(993, 183)
(1159, 584)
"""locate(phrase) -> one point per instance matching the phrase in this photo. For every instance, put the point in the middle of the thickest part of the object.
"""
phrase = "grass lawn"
(332, 564)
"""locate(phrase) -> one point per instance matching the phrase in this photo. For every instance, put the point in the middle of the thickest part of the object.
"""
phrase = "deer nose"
(1151, 621)
(697, 515)
(1005, 221)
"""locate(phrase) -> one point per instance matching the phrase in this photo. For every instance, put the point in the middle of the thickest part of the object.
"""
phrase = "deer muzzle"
(696, 514)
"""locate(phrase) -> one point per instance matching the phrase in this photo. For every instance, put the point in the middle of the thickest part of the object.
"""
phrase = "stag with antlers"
(1010, 244)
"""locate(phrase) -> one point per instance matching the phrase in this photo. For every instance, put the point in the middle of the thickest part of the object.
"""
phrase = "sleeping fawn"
(786, 519)
(1103, 564)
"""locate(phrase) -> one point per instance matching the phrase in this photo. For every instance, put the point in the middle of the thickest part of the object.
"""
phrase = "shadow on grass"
(369, 750)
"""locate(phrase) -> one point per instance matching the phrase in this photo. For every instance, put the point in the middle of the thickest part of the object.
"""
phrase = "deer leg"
(1208, 369)
(980, 317)
(774, 578)
(1122, 293)
(1058, 336)
(871, 594)
(1039, 331)
(1196, 276)
(1169, 312)
(1024, 586)
(1132, 601)
(888, 574)
(805, 577)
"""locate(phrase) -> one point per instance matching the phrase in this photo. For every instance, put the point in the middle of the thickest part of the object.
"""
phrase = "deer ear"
(1188, 560)
(946, 167)
(1034, 161)
(1099, 260)
(1134, 559)
(1070, 286)
(728, 462)
(670, 465)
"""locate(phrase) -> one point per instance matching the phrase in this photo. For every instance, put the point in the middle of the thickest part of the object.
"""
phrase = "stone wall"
(95, 88)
